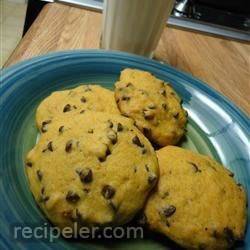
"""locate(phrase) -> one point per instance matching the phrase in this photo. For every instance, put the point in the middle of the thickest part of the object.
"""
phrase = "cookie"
(196, 202)
(92, 168)
(84, 97)
(153, 105)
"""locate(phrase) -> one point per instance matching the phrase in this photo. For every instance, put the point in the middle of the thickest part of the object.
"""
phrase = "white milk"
(134, 25)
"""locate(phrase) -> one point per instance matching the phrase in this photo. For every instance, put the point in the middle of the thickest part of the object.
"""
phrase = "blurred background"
(12, 22)
(226, 18)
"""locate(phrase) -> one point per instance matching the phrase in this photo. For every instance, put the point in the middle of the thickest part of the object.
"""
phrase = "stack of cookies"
(95, 164)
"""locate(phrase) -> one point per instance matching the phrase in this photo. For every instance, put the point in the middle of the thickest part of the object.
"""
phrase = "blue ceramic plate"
(216, 128)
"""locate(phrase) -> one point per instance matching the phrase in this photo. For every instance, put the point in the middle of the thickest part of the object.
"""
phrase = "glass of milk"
(134, 26)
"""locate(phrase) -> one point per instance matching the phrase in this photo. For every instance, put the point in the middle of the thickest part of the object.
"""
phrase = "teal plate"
(216, 128)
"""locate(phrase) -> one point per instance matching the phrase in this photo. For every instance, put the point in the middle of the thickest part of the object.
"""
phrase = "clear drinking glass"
(134, 25)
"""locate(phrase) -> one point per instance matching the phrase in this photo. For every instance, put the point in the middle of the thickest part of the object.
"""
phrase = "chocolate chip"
(72, 197)
(209, 165)
(46, 122)
(83, 99)
(195, 167)
(129, 84)
(143, 92)
(110, 124)
(229, 235)
(69, 146)
(162, 92)
(86, 190)
(61, 129)
(44, 127)
(29, 164)
(108, 192)
(167, 223)
(176, 115)
(49, 147)
(164, 195)
(152, 178)
(44, 198)
(107, 153)
(146, 167)
(147, 132)
(169, 210)
(101, 159)
(67, 108)
(39, 175)
(91, 131)
(119, 127)
(82, 111)
(125, 98)
(144, 151)
(112, 136)
(42, 190)
(112, 205)
(164, 106)
(231, 174)
(137, 141)
(135, 169)
(86, 175)
(148, 115)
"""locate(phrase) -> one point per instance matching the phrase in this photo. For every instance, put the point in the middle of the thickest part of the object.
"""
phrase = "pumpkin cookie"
(84, 97)
(153, 105)
(197, 202)
(92, 168)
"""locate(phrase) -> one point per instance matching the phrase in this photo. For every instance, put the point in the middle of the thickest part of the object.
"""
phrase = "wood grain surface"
(221, 63)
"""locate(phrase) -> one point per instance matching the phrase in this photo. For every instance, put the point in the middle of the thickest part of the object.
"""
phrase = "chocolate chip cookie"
(197, 202)
(84, 97)
(92, 168)
(153, 105)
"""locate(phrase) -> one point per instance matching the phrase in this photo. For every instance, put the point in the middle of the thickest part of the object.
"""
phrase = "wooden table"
(223, 64)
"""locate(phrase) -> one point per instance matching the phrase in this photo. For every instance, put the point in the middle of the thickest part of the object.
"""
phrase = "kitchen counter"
(222, 64)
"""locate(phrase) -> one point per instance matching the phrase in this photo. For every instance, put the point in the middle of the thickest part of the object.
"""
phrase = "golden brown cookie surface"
(197, 202)
(153, 105)
(94, 168)
(79, 99)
